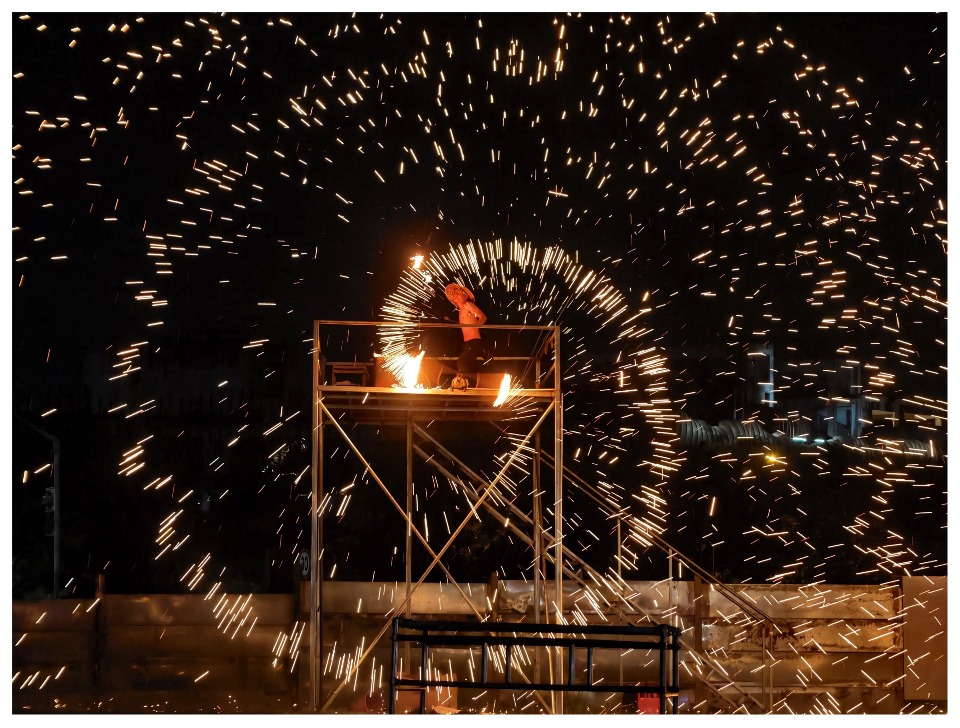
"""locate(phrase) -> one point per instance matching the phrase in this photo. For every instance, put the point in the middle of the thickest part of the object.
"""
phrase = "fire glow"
(405, 369)
(504, 393)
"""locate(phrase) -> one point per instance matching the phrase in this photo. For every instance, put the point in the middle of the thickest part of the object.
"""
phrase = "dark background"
(101, 172)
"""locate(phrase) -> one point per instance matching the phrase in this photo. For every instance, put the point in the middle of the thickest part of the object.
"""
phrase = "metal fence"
(573, 648)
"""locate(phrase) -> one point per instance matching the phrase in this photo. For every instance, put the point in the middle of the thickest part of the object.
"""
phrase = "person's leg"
(469, 362)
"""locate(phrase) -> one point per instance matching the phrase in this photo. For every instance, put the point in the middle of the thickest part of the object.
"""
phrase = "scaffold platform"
(386, 406)
(352, 380)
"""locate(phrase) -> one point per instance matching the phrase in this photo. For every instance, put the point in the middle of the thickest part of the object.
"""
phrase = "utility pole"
(55, 505)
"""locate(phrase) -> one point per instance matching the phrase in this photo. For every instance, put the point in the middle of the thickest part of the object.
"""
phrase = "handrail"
(744, 605)
(542, 346)
(451, 634)
(421, 325)
(664, 545)
(570, 556)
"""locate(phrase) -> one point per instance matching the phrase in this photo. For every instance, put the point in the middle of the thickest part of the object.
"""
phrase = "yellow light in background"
(417, 261)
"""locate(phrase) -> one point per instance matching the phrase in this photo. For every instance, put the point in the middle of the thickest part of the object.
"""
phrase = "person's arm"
(475, 310)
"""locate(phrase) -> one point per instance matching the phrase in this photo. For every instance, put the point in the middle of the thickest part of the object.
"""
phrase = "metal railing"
(440, 458)
(769, 626)
(539, 342)
(575, 640)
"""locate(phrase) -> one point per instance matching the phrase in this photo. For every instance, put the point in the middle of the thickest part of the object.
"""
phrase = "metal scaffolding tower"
(351, 385)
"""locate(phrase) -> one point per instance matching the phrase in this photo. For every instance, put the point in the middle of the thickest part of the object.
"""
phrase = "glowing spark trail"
(741, 239)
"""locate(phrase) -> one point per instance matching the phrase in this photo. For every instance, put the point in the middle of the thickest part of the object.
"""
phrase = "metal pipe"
(768, 638)
(558, 499)
(403, 325)
(663, 669)
(672, 586)
(56, 517)
(620, 593)
(393, 668)
(316, 488)
(675, 646)
(424, 674)
(483, 663)
(408, 551)
(539, 562)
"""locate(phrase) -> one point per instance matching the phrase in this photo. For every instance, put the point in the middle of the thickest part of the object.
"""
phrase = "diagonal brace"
(436, 557)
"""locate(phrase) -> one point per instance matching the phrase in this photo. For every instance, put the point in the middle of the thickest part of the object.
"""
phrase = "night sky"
(190, 191)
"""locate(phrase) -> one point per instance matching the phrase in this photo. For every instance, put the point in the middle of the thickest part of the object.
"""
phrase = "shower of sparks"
(654, 185)
(520, 284)
(405, 369)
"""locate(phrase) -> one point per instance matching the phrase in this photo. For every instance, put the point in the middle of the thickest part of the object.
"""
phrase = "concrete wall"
(145, 653)
(925, 638)
(836, 648)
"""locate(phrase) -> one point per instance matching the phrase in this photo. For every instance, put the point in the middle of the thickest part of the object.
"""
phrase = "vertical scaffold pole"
(392, 707)
(408, 551)
(663, 668)
(558, 501)
(539, 562)
(316, 525)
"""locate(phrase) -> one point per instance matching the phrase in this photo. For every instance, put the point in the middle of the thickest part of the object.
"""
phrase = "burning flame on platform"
(504, 394)
(405, 369)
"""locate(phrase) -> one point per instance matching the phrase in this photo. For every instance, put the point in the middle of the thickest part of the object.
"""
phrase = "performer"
(473, 346)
